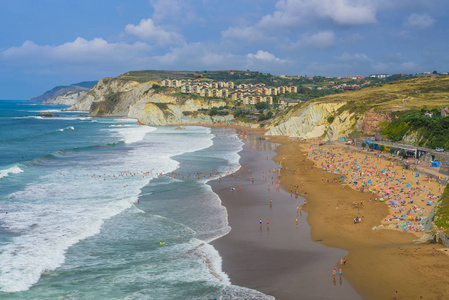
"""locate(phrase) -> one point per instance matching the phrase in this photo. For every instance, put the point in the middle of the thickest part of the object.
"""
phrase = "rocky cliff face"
(329, 121)
(68, 98)
(64, 94)
(115, 97)
(316, 120)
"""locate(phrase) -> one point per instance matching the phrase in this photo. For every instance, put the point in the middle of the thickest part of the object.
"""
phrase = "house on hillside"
(444, 112)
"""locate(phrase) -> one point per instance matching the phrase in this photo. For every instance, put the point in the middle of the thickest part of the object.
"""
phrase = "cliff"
(364, 112)
(147, 102)
(65, 94)
(68, 98)
(316, 120)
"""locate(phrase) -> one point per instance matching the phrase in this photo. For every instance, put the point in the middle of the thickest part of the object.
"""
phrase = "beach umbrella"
(369, 181)
(392, 202)
(382, 199)
(408, 184)
(396, 202)
(387, 191)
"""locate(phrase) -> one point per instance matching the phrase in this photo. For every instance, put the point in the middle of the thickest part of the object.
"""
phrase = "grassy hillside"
(406, 95)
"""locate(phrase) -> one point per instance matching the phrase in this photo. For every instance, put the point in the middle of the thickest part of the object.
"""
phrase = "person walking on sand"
(396, 296)
(268, 224)
(334, 272)
(271, 203)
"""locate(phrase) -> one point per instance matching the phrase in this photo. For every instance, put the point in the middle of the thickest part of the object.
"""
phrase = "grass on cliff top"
(406, 95)
(148, 75)
(442, 210)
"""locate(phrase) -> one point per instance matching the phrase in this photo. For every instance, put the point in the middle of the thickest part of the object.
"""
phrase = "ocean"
(100, 208)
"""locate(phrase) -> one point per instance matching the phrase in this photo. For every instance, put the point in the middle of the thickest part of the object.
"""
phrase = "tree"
(262, 105)
(371, 146)
(363, 144)
(382, 148)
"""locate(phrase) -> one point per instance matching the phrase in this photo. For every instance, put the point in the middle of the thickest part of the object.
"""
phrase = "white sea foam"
(64, 206)
(67, 128)
(11, 170)
(135, 135)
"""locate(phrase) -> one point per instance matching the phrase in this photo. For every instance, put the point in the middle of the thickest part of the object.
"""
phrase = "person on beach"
(268, 224)
(334, 272)
(395, 296)
(271, 203)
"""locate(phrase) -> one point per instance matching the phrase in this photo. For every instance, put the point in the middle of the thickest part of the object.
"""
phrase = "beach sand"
(288, 263)
(380, 262)
(283, 261)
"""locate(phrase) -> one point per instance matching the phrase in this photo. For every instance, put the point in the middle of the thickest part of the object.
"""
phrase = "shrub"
(330, 119)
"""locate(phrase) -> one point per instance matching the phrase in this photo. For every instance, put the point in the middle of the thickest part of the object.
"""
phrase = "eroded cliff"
(148, 103)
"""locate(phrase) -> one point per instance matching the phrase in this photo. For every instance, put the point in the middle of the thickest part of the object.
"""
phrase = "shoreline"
(380, 262)
(281, 261)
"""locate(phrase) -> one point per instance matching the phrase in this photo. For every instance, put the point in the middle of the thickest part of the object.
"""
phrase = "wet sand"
(282, 261)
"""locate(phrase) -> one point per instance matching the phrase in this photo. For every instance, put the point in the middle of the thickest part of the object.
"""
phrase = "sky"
(47, 43)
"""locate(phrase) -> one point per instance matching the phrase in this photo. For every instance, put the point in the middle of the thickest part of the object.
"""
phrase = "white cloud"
(343, 12)
(181, 10)
(420, 21)
(263, 56)
(321, 40)
(198, 55)
(147, 30)
(78, 51)
(293, 15)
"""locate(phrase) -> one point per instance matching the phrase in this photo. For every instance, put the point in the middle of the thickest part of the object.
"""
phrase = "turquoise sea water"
(70, 223)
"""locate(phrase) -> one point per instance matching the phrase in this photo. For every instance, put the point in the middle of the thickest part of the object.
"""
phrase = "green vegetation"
(240, 113)
(216, 111)
(161, 105)
(330, 119)
(434, 131)
(263, 117)
(442, 210)
(262, 105)
(158, 88)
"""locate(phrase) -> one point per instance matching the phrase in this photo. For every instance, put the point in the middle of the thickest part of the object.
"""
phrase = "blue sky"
(52, 42)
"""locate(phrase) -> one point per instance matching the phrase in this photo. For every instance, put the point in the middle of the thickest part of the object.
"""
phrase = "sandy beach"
(280, 260)
(286, 261)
